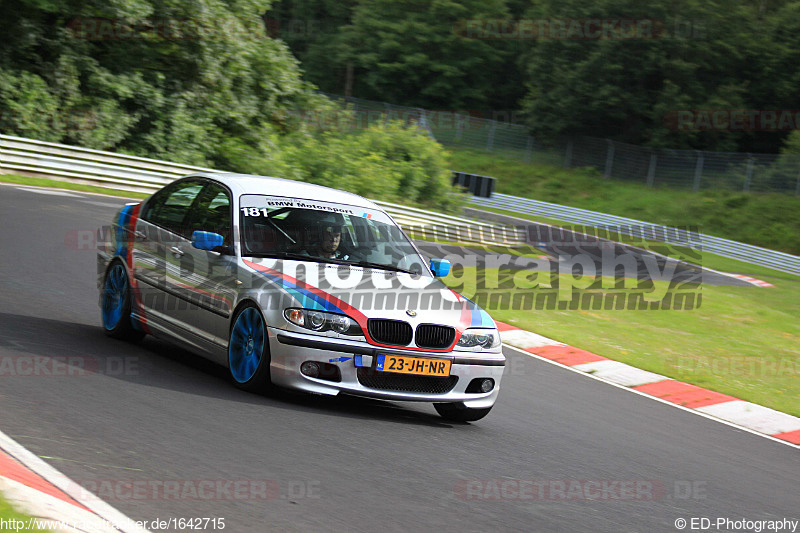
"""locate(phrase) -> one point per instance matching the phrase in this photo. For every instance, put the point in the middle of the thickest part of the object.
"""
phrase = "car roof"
(251, 184)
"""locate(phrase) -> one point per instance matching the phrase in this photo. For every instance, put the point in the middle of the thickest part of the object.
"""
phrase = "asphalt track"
(153, 413)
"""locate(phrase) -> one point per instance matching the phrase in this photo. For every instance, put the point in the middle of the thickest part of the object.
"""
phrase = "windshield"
(312, 230)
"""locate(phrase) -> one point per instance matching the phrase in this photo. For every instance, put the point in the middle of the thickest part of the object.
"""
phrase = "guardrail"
(454, 229)
(645, 230)
(139, 174)
(94, 167)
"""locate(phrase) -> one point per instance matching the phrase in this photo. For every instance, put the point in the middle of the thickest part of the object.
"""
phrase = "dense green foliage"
(723, 54)
(407, 52)
(196, 82)
(143, 90)
(392, 162)
(629, 86)
(768, 220)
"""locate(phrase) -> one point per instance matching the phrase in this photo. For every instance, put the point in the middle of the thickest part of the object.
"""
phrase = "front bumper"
(290, 349)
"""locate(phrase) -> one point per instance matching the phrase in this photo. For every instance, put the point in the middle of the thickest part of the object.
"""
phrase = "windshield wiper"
(296, 256)
(384, 267)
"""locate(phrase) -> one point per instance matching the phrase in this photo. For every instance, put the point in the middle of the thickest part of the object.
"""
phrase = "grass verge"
(69, 186)
(7, 512)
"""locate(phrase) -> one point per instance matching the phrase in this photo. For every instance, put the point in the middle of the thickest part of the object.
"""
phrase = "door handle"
(176, 251)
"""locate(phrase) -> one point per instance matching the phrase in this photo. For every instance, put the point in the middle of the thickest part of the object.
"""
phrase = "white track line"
(52, 192)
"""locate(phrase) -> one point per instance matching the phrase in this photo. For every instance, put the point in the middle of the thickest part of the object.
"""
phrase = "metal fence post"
(423, 123)
(528, 149)
(609, 158)
(459, 127)
(651, 170)
(490, 139)
(698, 171)
(568, 156)
(749, 173)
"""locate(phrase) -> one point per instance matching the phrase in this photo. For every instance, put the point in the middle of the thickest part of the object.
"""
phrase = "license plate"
(402, 364)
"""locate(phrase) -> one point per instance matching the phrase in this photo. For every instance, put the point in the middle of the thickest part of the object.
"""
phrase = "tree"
(697, 56)
(415, 53)
(156, 78)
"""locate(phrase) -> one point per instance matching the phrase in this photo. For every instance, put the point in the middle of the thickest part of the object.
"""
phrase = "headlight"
(483, 338)
(322, 321)
(342, 324)
(315, 320)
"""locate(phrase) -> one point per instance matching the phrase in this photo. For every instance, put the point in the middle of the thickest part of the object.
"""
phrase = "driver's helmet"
(328, 223)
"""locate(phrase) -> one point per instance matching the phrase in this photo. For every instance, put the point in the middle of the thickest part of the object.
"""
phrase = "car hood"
(364, 293)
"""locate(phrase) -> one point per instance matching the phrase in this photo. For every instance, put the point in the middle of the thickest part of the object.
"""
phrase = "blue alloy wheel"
(116, 305)
(116, 290)
(248, 357)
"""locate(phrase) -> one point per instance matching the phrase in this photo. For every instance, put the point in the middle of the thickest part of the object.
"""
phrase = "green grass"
(741, 341)
(7, 512)
(768, 220)
(45, 182)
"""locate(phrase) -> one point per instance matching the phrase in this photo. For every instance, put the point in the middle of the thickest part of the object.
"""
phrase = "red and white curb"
(753, 281)
(746, 415)
(55, 502)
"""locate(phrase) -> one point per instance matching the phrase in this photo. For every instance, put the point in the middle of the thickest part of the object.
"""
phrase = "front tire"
(248, 351)
(458, 412)
(116, 305)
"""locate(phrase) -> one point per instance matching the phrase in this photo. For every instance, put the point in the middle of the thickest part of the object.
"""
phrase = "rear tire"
(458, 412)
(116, 305)
(248, 351)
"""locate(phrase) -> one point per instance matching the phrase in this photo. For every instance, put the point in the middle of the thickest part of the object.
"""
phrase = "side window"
(212, 213)
(169, 208)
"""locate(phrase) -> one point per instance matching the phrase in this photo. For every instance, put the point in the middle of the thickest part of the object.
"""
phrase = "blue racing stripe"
(307, 299)
(480, 318)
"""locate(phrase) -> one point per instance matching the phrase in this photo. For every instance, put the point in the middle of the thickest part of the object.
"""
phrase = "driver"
(327, 245)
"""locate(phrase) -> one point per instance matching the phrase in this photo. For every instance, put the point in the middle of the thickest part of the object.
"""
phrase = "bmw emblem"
(411, 312)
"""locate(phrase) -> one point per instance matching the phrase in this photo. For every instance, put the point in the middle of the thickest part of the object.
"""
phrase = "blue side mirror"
(440, 267)
(206, 240)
